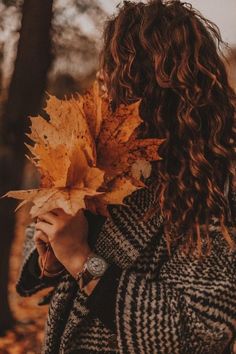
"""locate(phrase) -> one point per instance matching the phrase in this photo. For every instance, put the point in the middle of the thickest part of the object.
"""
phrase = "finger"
(48, 229)
(60, 212)
(49, 217)
(39, 236)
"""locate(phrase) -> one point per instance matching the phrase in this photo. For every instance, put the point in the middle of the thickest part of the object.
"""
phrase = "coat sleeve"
(29, 282)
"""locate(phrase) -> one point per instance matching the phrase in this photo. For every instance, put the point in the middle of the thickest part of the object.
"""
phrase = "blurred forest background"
(51, 46)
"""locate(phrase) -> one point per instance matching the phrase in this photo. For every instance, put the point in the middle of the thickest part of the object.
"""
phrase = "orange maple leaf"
(87, 155)
(122, 155)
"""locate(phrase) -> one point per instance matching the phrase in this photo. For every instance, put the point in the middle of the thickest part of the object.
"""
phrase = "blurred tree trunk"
(25, 97)
(1, 61)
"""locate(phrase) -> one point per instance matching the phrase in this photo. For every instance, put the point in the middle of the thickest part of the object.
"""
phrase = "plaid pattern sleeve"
(29, 283)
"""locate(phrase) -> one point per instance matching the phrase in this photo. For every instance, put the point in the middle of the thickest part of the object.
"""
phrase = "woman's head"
(167, 55)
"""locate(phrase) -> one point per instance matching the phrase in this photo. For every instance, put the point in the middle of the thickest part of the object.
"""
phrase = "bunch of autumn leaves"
(87, 155)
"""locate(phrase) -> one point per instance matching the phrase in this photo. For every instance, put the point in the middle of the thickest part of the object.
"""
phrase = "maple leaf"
(120, 188)
(70, 199)
(118, 152)
(57, 142)
(141, 168)
(118, 144)
(96, 107)
(88, 156)
(64, 153)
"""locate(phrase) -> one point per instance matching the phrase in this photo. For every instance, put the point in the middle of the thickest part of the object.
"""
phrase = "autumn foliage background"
(48, 46)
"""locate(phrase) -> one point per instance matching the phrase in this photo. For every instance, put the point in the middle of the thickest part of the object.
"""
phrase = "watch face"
(96, 266)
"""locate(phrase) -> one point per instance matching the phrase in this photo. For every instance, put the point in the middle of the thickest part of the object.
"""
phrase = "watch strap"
(84, 277)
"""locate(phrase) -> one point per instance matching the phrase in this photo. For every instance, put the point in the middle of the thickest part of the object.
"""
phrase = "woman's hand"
(41, 243)
(68, 237)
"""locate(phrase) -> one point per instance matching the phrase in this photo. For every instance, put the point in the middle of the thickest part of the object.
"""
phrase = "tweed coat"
(164, 304)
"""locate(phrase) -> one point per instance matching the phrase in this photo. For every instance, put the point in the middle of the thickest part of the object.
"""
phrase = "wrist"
(50, 272)
(75, 263)
(93, 269)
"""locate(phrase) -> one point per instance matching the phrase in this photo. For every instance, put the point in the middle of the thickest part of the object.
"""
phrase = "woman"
(160, 276)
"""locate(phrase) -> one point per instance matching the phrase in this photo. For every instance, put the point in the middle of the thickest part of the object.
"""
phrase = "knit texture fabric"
(164, 304)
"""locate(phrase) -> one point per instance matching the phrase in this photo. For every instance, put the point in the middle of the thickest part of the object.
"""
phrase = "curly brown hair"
(167, 55)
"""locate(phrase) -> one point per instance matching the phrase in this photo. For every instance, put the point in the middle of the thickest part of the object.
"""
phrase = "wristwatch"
(94, 267)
